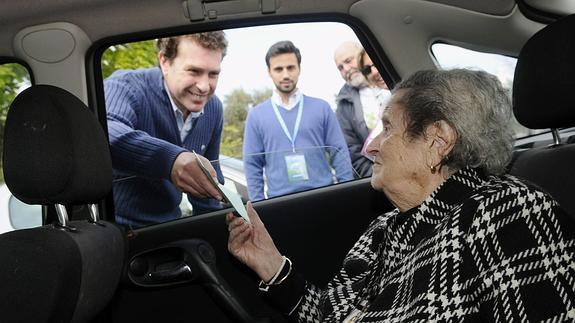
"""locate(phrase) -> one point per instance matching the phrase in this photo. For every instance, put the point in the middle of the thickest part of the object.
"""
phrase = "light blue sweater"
(318, 128)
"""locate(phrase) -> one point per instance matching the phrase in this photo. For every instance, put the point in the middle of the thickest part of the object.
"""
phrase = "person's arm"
(340, 157)
(254, 160)
(288, 291)
(135, 151)
(280, 282)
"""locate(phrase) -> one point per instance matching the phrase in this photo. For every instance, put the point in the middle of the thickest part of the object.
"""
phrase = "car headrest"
(544, 83)
(55, 151)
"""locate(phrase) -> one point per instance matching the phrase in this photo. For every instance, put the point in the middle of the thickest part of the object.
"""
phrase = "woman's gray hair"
(474, 103)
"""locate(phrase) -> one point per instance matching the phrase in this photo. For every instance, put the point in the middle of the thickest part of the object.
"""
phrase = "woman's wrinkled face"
(399, 161)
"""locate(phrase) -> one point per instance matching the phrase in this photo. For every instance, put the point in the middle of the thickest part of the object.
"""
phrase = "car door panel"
(315, 229)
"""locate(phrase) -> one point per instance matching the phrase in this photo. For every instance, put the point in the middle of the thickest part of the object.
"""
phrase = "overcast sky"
(456, 57)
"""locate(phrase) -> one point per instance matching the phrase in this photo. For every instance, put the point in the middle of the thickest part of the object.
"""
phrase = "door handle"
(185, 261)
(171, 272)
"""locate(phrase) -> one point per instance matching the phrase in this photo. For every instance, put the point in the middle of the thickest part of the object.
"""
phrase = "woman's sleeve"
(295, 298)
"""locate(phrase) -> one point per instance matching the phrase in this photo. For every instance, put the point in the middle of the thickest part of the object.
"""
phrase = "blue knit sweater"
(318, 128)
(145, 141)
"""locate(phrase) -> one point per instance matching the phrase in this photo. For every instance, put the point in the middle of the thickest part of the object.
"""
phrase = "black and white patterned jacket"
(478, 249)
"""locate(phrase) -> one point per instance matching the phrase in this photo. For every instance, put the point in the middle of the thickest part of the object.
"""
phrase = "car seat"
(56, 154)
(543, 98)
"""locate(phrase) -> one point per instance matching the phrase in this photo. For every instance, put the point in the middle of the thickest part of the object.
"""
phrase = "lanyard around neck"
(297, 122)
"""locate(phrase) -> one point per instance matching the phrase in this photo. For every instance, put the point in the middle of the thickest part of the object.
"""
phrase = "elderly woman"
(464, 243)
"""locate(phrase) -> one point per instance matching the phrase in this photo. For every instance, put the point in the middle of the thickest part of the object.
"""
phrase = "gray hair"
(474, 103)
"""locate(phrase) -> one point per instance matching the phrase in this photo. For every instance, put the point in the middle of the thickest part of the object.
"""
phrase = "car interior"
(81, 266)
(74, 265)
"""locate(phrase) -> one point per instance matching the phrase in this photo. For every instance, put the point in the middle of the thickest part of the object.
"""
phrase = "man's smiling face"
(191, 76)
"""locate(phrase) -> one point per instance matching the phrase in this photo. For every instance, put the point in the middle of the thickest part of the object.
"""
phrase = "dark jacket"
(350, 116)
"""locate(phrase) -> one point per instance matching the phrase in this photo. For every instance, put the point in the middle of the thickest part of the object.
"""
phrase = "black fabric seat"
(543, 98)
(56, 153)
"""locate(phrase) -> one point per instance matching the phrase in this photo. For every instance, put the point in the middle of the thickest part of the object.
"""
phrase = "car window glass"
(244, 82)
(451, 56)
(14, 214)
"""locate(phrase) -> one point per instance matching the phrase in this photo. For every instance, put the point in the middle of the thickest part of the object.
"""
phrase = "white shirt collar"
(292, 102)
(184, 126)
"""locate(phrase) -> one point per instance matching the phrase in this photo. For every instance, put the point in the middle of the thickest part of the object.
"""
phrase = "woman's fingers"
(254, 217)
(235, 229)
(238, 243)
(229, 218)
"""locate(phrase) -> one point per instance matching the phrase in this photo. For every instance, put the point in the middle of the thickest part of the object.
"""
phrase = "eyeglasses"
(366, 70)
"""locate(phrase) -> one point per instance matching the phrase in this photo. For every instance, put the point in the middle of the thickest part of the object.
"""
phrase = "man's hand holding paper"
(227, 195)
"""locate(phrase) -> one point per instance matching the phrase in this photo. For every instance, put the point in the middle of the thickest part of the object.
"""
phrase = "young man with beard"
(289, 135)
(157, 118)
(357, 105)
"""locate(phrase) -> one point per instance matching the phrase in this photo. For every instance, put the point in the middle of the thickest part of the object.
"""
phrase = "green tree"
(13, 78)
(259, 96)
(129, 56)
(237, 105)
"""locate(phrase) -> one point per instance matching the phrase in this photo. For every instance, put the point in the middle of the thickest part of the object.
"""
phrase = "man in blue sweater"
(292, 137)
(156, 118)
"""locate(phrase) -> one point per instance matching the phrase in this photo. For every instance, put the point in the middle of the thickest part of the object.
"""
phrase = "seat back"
(543, 98)
(56, 153)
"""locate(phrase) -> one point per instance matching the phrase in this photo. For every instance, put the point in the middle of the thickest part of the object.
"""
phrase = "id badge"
(296, 168)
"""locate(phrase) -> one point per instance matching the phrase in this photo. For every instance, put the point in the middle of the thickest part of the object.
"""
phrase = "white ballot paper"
(236, 201)
(228, 196)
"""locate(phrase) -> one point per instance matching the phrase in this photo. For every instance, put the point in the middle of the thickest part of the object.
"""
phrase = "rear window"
(451, 56)
(13, 79)
(14, 214)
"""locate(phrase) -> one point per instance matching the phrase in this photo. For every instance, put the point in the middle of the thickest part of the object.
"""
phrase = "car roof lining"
(403, 43)
(407, 28)
(557, 7)
(492, 7)
(105, 18)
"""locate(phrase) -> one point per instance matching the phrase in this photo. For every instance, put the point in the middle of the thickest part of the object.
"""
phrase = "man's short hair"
(283, 47)
(213, 40)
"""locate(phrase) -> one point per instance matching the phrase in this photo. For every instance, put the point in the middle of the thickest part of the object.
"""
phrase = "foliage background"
(13, 79)
(129, 56)
(237, 105)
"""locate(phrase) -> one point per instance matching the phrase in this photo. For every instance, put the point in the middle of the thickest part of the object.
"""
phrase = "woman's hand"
(252, 244)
